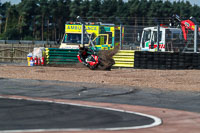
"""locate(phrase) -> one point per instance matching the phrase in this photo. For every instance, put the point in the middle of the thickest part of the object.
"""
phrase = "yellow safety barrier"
(124, 58)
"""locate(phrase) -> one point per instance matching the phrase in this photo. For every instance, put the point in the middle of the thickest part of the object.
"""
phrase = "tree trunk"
(0, 28)
(135, 31)
(143, 21)
(0, 23)
(48, 30)
(20, 23)
(55, 36)
(42, 27)
(5, 29)
(34, 27)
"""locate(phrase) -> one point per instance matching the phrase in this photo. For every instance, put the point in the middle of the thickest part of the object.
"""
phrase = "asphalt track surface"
(179, 100)
(24, 114)
(29, 111)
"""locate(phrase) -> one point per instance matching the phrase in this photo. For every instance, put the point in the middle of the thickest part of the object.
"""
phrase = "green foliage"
(11, 34)
(28, 38)
(94, 9)
(75, 8)
(84, 8)
(45, 19)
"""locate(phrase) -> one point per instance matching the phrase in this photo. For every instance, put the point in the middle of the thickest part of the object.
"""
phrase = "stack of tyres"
(162, 60)
(150, 60)
(175, 60)
(137, 59)
(168, 63)
(166, 60)
(143, 60)
(196, 61)
(188, 61)
(57, 56)
(156, 61)
(198, 67)
(181, 61)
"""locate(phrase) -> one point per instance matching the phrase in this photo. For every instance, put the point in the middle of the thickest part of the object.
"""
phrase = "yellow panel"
(128, 54)
(75, 28)
(122, 59)
(126, 51)
(123, 62)
(113, 31)
(104, 48)
(123, 65)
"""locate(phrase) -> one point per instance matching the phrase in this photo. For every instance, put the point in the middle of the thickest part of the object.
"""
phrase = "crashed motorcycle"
(89, 57)
(92, 60)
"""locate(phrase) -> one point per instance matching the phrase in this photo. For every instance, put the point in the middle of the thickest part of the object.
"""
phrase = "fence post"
(120, 36)
(82, 34)
(83, 29)
(158, 32)
(195, 38)
(158, 39)
(12, 53)
(120, 22)
(195, 33)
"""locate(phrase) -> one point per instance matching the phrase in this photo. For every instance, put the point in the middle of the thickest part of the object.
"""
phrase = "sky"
(12, 1)
(197, 2)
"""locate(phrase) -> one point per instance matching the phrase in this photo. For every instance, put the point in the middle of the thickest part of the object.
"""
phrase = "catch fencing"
(173, 43)
(17, 52)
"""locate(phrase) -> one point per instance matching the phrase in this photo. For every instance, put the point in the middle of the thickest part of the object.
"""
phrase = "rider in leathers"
(84, 53)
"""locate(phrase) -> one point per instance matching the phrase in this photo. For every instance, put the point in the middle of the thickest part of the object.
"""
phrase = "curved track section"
(172, 107)
(33, 114)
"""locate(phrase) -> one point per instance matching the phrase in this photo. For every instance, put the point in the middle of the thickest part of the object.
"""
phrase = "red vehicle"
(89, 58)
(186, 25)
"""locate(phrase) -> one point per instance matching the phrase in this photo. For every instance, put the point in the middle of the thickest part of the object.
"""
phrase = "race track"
(51, 106)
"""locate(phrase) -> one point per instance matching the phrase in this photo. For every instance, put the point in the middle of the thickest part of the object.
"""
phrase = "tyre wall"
(56, 56)
(166, 60)
(124, 58)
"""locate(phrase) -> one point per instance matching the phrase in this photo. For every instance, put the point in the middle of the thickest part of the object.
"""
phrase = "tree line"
(45, 19)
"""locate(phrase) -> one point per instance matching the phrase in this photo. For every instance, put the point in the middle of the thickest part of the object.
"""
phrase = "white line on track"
(157, 121)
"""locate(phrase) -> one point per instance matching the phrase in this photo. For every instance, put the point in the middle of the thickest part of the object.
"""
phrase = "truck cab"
(168, 38)
(102, 35)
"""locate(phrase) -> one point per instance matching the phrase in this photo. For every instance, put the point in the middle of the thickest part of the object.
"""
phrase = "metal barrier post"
(158, 35)
(120, 36)
(120, 22)
(12, 50)
(195, 38)
(158, 32)
(82, 34)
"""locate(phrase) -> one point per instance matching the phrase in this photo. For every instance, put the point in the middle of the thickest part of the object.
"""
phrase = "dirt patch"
(163, 79)
(106, 58)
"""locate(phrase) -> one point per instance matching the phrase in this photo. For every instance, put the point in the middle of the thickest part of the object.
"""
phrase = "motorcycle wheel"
(92, 67)
(106, 64)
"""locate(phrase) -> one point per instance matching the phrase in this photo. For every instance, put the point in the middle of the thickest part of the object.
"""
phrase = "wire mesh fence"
(139, 33)
(170, 38)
